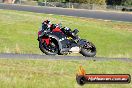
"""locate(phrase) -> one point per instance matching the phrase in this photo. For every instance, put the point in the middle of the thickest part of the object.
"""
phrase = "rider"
(46, 25)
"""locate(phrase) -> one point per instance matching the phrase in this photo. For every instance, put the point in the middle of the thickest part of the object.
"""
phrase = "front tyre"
(88, 50)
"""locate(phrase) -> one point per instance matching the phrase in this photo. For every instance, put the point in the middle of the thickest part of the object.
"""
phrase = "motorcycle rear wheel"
(51, 49)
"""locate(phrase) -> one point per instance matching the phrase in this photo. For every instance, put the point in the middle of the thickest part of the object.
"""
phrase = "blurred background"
(118, 5)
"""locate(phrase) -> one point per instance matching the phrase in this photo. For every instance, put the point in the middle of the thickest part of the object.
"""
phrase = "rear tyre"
(88, 52)
(51, 49)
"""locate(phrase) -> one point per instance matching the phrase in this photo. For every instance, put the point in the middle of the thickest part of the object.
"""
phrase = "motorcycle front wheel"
(88, 50)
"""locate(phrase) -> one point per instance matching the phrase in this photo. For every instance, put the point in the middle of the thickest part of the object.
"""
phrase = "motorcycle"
(57, 42)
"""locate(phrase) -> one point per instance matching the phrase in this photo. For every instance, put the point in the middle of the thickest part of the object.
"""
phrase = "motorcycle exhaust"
(75, 49)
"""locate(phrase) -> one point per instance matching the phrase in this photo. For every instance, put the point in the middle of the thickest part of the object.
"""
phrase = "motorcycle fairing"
(62, 40)
(82, 42)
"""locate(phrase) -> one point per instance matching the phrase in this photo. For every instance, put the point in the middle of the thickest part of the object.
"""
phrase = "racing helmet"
(67, 29)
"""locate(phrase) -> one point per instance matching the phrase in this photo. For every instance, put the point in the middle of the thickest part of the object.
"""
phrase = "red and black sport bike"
(62, 41)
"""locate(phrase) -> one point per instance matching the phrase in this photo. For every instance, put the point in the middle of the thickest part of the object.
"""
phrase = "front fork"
(84, 43)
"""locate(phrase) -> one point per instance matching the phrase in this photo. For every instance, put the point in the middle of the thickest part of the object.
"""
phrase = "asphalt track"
(71, 12)
(37, 56)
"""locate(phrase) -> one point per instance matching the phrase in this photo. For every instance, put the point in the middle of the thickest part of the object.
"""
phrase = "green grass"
(57, 73)
(18, 33)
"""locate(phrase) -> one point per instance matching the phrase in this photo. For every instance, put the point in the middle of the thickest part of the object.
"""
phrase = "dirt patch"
(127, 27)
